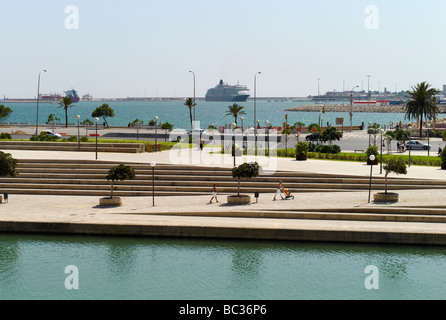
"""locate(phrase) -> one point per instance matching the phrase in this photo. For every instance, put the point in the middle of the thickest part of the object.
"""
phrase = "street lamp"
(193, 127)
(267, 125)
(381, 131)
(368, 90)
(372, 158)
(153, 164)
(233, 140)
(410, 142)
(428, 139)
(38, 98)
(96, 120)
(156, 131)
(78, 134)
(255, 109)
(351, 108)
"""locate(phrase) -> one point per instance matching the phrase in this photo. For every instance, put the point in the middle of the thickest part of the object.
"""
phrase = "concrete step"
(69, 146)
(84, 177)
(322, 214)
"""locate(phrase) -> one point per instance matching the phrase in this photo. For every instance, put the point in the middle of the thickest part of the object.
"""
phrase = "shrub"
(71, 139)
(372, 150)
(443, 156)
(84, 139)
(5, 136)
(301, 148)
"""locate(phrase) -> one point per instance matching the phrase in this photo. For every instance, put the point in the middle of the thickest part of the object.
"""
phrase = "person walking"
(214, 194)
(279, 190)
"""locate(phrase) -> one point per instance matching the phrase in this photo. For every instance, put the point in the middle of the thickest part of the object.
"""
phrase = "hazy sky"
(147, 47)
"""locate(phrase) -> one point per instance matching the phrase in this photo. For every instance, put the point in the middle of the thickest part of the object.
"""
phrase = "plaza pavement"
(194, 216)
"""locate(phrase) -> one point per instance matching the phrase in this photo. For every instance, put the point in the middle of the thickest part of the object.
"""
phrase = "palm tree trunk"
(66, 117)
(111, 196)
(238, 188)
(190, 114)
(386, 182)
(421, 125)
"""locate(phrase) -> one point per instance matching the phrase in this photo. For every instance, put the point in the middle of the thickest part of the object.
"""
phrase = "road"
(351, 141)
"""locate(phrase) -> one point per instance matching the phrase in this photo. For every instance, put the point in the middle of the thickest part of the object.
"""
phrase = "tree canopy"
(330, 134)
(65, 103)
(4, 112)
(234, 111)
(103, 112)
(190, 104)
(421, 103)
(8, 165)
(120, 173)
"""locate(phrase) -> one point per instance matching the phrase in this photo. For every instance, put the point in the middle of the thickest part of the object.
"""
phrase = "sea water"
(43, 267)
(176, 113)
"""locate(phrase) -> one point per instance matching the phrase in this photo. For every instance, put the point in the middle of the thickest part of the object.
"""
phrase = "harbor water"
(176, 113)
(38, 266)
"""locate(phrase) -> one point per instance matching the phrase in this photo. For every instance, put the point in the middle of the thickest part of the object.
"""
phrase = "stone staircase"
(73, 146)
(87, 178)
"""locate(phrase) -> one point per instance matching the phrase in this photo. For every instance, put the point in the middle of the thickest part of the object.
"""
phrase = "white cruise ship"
(226, 92)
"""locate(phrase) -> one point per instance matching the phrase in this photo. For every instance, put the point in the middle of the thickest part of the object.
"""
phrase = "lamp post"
(428, 140)
(193, 126)
(78, 134)
(233, 140)
(410, 142)
(368, 90)
(96, 120)
(255, 109)
(372, 158)
(156, 131)
(381, 131)
(153, 164)
(267, 125)
(38, 98)
(351, 108)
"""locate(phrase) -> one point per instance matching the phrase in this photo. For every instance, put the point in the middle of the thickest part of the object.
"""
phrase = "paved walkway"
(137, 216)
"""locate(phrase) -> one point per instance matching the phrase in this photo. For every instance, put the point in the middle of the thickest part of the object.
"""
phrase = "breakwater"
(355, 108)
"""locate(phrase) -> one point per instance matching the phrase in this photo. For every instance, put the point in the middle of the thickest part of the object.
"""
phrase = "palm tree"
(234, 111)
(190, 104)
(421, 103)
(65, 103)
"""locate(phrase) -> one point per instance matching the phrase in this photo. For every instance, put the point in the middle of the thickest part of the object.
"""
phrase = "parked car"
(314, 137)
(51, 134)
(417, 145)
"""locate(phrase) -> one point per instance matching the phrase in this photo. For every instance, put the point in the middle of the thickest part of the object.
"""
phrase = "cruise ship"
(226, 92)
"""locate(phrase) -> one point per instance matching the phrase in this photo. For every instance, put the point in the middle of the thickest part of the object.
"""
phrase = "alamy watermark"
(72, 18)
(244, 145)
(372, 280)
(72, 280)
(371, 22)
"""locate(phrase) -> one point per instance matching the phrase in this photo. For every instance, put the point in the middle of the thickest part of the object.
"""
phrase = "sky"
(137, 48)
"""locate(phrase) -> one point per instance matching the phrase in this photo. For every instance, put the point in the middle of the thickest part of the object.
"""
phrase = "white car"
(51, 134)
(417, 145)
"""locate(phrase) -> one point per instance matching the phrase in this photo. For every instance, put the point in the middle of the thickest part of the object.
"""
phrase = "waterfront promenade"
(193, 216)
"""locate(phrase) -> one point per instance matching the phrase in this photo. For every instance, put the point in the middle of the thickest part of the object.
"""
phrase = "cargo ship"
(226, 92)
(72, 94)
